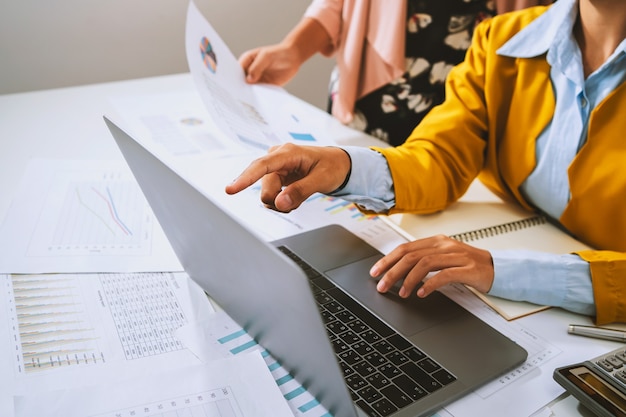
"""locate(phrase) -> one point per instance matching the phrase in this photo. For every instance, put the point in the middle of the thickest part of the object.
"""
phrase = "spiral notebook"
(489, 223)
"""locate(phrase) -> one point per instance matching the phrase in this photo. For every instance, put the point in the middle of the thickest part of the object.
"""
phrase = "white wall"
(50, 44)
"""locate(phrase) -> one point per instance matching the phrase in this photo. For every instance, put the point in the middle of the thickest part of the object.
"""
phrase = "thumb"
(284, 202)
(246, 61)
(296, 193)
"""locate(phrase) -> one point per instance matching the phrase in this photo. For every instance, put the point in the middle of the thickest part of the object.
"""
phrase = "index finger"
(254, 172)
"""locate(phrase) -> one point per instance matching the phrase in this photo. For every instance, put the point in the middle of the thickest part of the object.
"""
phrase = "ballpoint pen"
(597, 332)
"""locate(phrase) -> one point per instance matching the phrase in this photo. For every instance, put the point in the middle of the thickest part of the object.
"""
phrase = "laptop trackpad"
(409, 316)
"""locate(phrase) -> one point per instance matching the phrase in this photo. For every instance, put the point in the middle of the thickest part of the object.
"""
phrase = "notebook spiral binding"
(499, 229)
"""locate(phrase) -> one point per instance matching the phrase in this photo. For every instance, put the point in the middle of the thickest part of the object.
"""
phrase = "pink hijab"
(368, 42)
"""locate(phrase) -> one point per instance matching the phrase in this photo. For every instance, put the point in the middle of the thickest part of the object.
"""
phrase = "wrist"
(349, 172)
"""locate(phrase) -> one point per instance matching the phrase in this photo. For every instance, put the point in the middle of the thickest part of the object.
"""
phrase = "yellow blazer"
(495, 109)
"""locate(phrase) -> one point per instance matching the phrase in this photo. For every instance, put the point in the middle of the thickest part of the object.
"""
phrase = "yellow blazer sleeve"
(608, 276)
(440, 159)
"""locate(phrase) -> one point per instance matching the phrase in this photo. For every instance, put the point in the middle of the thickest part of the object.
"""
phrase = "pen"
(597, 332)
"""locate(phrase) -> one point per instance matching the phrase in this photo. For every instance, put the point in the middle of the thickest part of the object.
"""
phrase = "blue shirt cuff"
(370, 185)
(543, 278)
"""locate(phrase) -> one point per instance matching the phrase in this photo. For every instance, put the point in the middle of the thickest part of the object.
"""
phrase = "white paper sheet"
(259, 116)
(70, 330)
(82, 216)
(240, 386)
(221, 337)
(179, 123)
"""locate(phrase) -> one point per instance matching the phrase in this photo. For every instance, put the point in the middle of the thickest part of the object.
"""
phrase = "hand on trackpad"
(394, 291)
(408, 317)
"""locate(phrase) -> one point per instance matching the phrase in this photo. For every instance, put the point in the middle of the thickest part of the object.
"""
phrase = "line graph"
(110, 204)
(95, 216)
(97, 213)
(82, 216)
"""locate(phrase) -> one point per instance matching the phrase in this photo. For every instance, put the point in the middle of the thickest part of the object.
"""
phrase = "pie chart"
(208, 55)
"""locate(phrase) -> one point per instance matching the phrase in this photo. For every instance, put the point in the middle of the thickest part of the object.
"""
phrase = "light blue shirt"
(546, 279)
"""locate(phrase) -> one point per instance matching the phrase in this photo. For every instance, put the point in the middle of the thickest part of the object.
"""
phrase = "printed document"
(240, 386)
(65, 331)
(79, 217)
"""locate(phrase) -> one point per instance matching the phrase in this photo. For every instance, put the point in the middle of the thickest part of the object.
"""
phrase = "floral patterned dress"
(438, 33)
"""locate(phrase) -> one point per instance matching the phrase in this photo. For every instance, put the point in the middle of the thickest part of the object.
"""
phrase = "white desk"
(67, 124)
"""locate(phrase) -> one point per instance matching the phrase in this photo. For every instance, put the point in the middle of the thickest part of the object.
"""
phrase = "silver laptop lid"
(259, 287)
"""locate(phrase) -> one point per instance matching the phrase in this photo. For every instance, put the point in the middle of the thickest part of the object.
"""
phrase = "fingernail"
(421, 293)
(374, 271)
(403, 292)
(283, 202)
(381, 286)
(287, 199)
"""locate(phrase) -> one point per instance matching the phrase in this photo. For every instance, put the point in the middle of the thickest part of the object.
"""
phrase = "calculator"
(599, 383)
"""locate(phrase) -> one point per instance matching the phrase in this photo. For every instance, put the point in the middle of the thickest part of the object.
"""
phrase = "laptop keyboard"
(383, 371)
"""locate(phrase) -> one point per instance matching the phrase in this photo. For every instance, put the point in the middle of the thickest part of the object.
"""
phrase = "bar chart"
(51, 326)
(59, 321)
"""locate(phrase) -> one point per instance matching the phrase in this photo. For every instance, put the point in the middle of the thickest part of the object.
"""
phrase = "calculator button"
(614, 361)
(604, 364)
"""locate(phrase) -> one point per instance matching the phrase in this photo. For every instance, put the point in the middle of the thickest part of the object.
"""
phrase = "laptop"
(309, 300)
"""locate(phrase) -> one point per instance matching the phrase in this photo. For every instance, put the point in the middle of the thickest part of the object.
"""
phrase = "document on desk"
(258, 116)
(179, 123)
(70, 330)
(317, 211)
(239, 386)
(221, 337)
(80, 217)
(211, 162)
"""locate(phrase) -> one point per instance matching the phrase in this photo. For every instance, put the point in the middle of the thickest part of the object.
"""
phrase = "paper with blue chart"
(255, 115)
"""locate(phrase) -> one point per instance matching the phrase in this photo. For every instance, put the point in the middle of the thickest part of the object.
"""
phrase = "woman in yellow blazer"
(536, 113)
